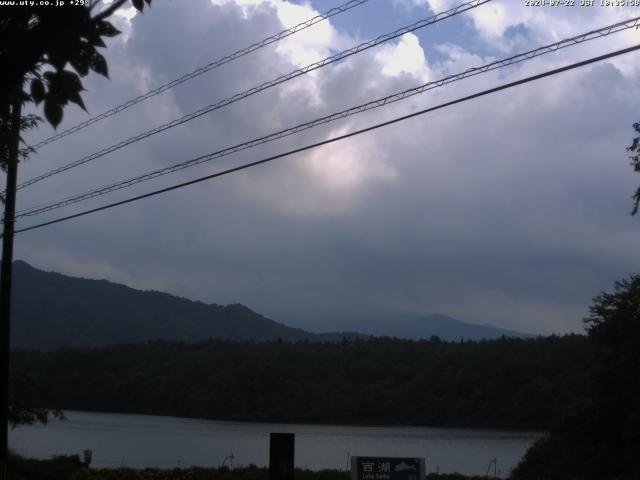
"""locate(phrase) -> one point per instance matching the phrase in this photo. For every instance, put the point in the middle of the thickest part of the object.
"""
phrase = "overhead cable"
(338, 138)
(205, 68)
(252, 91)
(591, 35)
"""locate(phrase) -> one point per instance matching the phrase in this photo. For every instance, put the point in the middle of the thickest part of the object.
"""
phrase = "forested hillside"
(79, 312)
(512, 383)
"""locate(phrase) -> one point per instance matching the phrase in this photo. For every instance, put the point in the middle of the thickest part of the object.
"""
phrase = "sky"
(512, 209)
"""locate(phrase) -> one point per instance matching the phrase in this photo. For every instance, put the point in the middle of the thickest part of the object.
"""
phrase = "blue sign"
(387, 468)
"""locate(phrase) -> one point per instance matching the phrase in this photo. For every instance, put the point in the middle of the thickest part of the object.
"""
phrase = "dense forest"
(600, 437)
(514, 383)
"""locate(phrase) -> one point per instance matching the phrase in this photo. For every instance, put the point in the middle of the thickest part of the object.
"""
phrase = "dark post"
(281, 453)
(88, 456)
(5, 281)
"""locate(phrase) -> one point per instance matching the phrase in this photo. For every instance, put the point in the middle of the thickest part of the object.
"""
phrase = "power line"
(594, 34)
(281, 79)
(341, 137)
(199, 71)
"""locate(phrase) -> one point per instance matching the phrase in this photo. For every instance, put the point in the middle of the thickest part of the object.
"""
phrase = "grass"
(71, 468)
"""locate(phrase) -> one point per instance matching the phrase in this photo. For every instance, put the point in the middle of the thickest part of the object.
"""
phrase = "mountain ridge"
(79, 312)
(414, 327)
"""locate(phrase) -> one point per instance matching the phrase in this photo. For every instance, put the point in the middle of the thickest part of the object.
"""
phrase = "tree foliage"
(634, 149)
(56, 468)
(44, 53)
(602, 438)
(500, 383)
(22, 406)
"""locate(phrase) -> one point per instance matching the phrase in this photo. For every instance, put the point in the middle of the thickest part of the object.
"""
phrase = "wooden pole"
(5, 279)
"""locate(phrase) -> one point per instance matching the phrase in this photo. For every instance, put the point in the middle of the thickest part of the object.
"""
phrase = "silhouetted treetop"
(39, 43)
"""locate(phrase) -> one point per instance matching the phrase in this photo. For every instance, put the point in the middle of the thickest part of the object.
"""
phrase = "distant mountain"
(448, 328)
(51, 310)
(439, 325)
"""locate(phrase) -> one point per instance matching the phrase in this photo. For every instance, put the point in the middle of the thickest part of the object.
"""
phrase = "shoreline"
(71, 468)
(314, 424)
(151, 441)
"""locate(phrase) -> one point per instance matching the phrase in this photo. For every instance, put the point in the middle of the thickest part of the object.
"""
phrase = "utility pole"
(13, 139)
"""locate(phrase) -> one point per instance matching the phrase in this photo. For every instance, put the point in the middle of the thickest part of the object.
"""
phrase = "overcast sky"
(512, 209)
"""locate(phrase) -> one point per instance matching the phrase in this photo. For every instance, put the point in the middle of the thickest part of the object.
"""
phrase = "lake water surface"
(141, 440)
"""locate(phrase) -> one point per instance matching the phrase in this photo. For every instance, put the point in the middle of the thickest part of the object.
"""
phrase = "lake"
(143, 441)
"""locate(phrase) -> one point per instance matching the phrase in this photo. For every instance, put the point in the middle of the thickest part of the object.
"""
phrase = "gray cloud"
(511, 209)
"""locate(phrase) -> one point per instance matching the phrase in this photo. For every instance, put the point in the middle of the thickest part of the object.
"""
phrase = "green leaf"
(69, 81)
(52, 111)
(77, 99)
(80, 61)
(50, 77)
(70, 87)
(64, 86)
(98, 64)
(106, 29)
(95, 39)
(37, 90)
(29, 121)
(58, 61)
